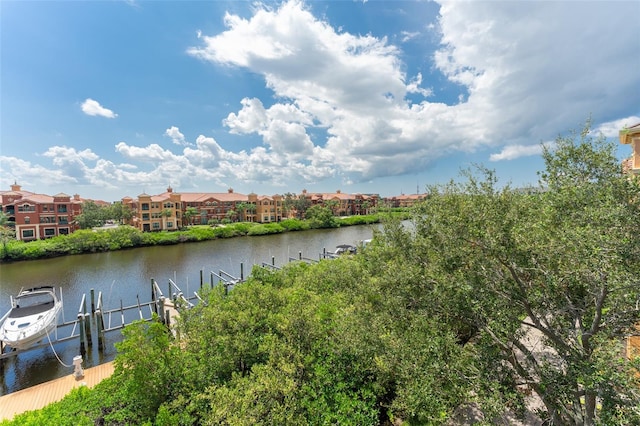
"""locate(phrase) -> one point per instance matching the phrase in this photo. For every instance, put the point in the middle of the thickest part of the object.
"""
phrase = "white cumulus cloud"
(93, 108)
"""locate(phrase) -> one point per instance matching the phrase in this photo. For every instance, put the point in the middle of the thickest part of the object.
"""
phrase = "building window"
(27, 233)
(62, 208)
(145, 206)
(49, 232)
(169, 224)
(63, 220)
(27, 220)
(156, 225)
(145, 216)
(63, 231)
(46, 219)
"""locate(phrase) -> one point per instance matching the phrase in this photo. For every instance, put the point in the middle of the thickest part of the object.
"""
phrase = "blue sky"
(113, 98)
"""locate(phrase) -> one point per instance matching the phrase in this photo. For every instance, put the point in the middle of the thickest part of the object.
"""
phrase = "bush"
(201, 233)
(224, 232)
(242, 228)
(294, 225)
(359, 220)
(265, 229)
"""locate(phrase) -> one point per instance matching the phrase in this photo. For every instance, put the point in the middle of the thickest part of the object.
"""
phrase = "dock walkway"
(39, 396)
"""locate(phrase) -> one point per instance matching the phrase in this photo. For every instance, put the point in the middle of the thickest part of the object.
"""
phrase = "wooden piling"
(273, 260)
(241, 271)
(100, 329)
(201, 278)
(161, 311)
(87, 325)
(83, 349)
(121, 312)
(139, 308)
(93, 302)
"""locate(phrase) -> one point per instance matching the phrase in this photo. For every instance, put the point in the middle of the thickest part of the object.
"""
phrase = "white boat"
(34, 313)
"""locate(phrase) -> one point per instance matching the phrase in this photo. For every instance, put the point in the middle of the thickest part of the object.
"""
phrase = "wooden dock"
(39, 396)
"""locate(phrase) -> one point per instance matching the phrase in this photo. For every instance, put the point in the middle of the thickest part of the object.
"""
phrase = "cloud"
(521, 65)
(511, 152)
(93, 108)
(176, 137)
(612, 129)
(407, 35)
(347, 106)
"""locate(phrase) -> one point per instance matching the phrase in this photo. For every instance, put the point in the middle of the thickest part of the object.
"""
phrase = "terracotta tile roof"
(37, 198)
(198, 197)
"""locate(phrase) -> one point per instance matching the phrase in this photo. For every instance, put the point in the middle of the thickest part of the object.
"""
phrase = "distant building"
(38, 216)
(343, 204)
(404, 200)
(631, 136)
(172, 210)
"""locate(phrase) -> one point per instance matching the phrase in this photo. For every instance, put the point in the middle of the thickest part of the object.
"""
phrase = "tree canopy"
(510, 303)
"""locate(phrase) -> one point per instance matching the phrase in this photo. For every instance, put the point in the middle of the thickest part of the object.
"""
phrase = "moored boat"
(34, 313)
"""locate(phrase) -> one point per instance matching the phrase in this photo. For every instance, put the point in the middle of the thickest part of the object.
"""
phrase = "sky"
(108, 99)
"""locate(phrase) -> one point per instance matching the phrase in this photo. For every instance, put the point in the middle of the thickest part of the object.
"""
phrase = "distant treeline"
(124, 237)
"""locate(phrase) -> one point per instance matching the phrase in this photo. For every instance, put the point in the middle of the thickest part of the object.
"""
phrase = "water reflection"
(125, 275)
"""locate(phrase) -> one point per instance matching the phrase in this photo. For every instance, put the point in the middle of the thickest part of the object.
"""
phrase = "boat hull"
(25, 326)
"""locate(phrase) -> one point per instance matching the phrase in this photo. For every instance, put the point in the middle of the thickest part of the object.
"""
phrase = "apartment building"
(171, 210)
(343, 204)
(405, 200)
(631, 136)
(38, 216)
(265, 208)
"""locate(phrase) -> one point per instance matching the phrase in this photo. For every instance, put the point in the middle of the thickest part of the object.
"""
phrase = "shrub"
(265, 229)
(294, 225)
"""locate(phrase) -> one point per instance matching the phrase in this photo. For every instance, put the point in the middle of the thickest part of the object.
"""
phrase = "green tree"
(366, 205)
(165, 214)
(92, 215)
(189, 214)
(548, 277)
(250, 208)
(320, 217)
(333, 205)
(120, 212)
(298, 203)
(7, 233)
(145, 372)
(245, 208)
(231, 215)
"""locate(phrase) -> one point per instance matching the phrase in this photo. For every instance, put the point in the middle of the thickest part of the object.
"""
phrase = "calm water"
(123, 275)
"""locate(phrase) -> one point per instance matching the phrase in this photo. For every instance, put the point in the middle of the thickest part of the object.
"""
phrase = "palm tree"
(231, 214)
(333, 205)
(366, 204)
(165, 214)
(250, 208)
(189, 214)
(241, 208)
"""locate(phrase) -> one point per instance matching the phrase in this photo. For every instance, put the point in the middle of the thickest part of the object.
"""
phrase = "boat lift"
(93, 320)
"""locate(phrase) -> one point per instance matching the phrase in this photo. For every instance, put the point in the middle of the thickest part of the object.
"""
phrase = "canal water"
(126, 275)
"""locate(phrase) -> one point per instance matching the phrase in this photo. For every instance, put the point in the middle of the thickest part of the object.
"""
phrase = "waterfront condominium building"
(38, 216)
